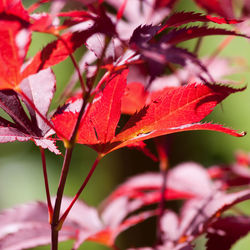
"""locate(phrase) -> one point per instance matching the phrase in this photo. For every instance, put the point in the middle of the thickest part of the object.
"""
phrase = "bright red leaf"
(179, 109)
(101, 122)
(184, 34)
(134, 98)
(56, 51)
(15, 38)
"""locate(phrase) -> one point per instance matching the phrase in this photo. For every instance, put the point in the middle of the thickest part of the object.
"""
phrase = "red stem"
(50, 208)
(161, 146)
(161, 207)
(75, 64)
(56, 224)
(64, 173)
(62, 219)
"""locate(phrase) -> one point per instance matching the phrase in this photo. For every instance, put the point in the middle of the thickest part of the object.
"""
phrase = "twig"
(46, 183)
(163, 157)
(63, 217)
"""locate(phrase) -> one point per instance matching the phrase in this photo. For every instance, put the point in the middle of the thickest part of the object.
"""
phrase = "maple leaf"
(183, 34)
(197, 215)
(27, 225)
(15, 40)
(31, 228)
(158, 54)
(178, 109)
(224, 232)
(178, 184)
(181, 18)
(102, 118)
(24, 128)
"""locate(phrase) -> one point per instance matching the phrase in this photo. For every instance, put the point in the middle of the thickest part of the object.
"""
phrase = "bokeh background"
(21, 178)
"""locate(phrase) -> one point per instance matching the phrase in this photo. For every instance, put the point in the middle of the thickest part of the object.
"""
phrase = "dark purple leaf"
(184, 34)
(157, 56)
(226, 231)
(143, 34)
(181, 18)
(10, 103)
(197, 216)
(39, 88)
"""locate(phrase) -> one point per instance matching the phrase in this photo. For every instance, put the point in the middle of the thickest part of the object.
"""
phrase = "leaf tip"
(243, 133)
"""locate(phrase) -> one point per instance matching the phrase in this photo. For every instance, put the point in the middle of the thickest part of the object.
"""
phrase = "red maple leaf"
(15, 38)
(177, 109)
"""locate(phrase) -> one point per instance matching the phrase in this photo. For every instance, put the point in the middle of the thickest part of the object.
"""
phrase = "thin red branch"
(75, 64)
(45, 175)
(161, 146)
(59, 195)
(63, 217)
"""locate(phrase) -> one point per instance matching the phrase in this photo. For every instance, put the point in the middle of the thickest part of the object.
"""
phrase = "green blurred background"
(21, 178)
